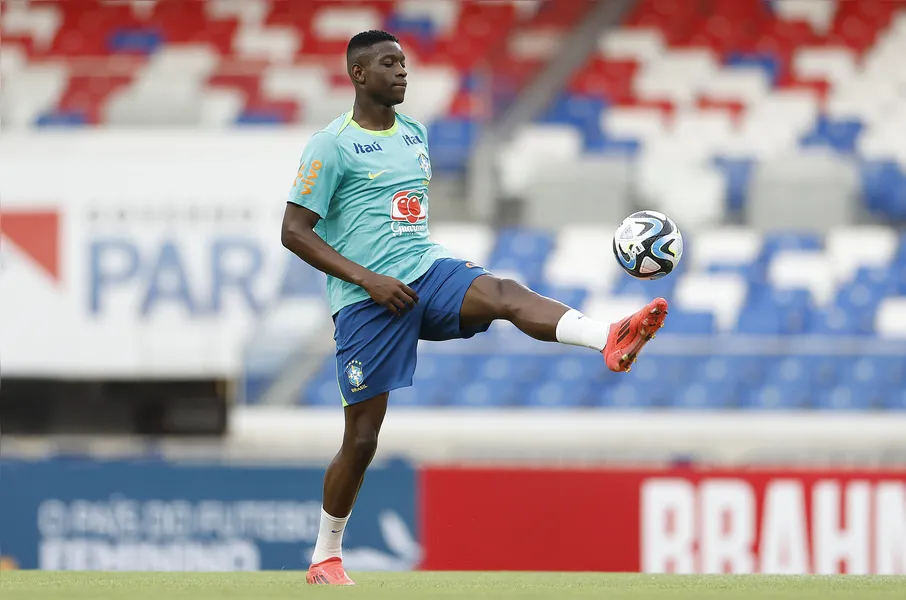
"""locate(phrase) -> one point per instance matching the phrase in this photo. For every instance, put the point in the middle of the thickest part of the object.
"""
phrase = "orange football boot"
(627, 337)
(328, 572)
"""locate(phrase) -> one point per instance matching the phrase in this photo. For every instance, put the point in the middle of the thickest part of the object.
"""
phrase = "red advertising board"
(662, 521)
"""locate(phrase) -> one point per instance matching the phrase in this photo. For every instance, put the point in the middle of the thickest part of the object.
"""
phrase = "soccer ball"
(648, 245)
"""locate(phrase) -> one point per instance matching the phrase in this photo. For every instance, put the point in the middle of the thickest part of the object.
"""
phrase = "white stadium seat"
(642, 45)
(819, 14)
(474, 240)
(890, 320)
(639, 123)
(747, 85)
(804, 270)
(533, 147)
(341, 23)
(610, 309)
(276, 44)
(582, 257)
(853, 247)
(721, 294)
(725, 246)
(836, 65)
(443, 14)
(249, 13)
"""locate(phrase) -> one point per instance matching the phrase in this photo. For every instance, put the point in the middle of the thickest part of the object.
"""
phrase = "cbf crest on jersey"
(425, 163)
(355, 375)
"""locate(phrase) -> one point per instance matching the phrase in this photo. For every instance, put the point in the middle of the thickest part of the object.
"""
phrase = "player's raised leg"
(491, 298)
(341, 486)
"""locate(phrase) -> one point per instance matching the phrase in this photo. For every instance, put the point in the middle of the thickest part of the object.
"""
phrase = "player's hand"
(391, 293)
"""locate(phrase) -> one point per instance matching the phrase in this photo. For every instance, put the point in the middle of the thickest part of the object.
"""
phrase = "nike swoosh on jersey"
(375, 175)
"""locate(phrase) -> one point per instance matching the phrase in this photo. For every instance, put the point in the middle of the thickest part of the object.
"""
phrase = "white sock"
(576, 329)
(330, 538)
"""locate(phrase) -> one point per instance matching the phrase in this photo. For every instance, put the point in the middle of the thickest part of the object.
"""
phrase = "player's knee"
(364, 445)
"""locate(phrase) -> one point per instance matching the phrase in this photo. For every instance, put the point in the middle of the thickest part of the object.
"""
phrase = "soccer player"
(358, 211)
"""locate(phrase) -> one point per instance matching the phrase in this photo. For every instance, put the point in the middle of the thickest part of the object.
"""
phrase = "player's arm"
(316, 182)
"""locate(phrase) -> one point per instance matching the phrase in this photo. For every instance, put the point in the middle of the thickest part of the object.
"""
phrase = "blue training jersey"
(370, 189)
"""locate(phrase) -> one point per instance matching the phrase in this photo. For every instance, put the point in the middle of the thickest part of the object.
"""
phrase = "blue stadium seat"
(869, 371)
(555, 394)
(451, 140)
(626, 285)
(526, 270)
(445, 368)
(134, 41)
(613, 146)
(755, 273)
(689, 323)
(514, 368)
(422, 393)
(704, 396)
(847, 397)
(824, 371)
(624, 395)
(777, 241)
(748, 371)
(762, 318)
(260, 117)
(582, 112)
(777, 397)
(569, 295)
(839, 135)
(522, 250)
(485, 394)
(884, 187)
(71, 118)
(658, 384)
(770, 311)
(765, 61)
(790, 371)
(737, 173)
(893, 399)
(836, 321)
(420, 28)
(573, 368)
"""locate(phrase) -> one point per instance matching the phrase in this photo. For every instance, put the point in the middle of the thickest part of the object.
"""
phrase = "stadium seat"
(777, 397)
(704, 396)
(626, 396)
(691, 112)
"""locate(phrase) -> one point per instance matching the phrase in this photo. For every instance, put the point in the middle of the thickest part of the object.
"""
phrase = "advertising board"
(671, 521)
(143, 255)
(156, 516)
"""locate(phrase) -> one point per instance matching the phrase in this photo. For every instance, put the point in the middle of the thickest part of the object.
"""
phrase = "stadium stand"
(710, 115)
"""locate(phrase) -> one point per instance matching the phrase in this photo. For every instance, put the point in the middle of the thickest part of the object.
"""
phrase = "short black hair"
(366, 39)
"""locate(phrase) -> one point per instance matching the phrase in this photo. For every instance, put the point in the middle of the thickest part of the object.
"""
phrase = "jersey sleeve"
(319, 174)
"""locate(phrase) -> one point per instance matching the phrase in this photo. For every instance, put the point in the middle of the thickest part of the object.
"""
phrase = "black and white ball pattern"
(648, 245)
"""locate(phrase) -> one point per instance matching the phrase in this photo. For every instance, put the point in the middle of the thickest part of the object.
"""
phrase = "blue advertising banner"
(66, 514)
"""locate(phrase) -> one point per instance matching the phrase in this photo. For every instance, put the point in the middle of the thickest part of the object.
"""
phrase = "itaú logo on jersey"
(407, 214)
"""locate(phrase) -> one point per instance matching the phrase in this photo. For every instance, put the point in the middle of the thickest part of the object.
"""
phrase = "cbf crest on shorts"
(425, 163)
(355, 375)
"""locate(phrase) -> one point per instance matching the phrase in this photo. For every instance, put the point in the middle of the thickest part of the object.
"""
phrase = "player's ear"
(357, 73)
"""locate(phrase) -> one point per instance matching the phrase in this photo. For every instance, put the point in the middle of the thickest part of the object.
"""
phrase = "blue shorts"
(376, 350)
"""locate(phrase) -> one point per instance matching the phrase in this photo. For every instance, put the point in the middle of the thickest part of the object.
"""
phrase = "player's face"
(385, 75)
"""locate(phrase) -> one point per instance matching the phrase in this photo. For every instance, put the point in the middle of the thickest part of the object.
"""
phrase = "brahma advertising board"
(145, 255)
(156, 516)
(784, 522)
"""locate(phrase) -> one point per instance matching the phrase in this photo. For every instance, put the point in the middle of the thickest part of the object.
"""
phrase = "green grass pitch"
(34, 585)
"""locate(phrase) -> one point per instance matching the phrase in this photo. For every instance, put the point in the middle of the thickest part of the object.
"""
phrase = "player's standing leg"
(491, 298)
(342, 482)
